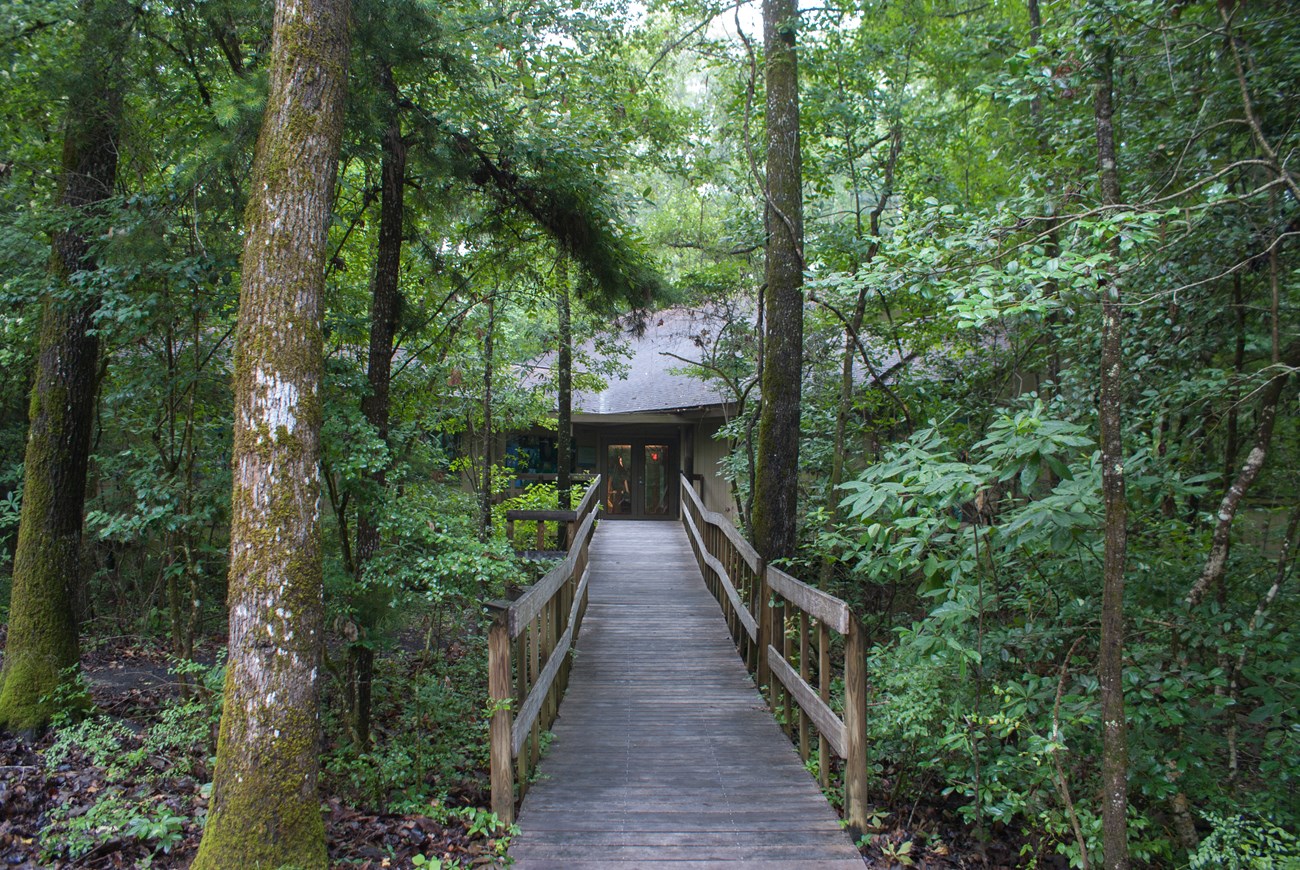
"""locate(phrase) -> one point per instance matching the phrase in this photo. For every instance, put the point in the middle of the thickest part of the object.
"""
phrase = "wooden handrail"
(569, 519)
(528, 660)
(776, 621)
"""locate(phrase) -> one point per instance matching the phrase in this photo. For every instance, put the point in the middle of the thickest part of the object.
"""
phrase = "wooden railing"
(782, 628)
(529, 662)
(562, 519)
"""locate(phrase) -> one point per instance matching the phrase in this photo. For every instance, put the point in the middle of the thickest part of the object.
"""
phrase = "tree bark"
(1110, 667)
(42, 644)
(776, 483)
(564, 375)
(485, 503)
(385, 307)
(265, 810)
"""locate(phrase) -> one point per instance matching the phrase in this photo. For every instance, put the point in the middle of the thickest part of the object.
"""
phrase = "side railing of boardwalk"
(782, 629)
(529, 662)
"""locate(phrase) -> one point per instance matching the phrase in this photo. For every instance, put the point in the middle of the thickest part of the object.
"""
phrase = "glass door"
(638, 479)
(619, 480)
(654, 480)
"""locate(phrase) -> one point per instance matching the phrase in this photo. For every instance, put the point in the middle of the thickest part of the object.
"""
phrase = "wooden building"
(644, 428)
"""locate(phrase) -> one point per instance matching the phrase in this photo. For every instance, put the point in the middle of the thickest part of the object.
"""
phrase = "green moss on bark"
(265, 811)
(42, 644)
(776, 485)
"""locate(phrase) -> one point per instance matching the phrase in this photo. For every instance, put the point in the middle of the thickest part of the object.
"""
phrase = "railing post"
(805, 671)
(502, 762)
(823, 692)
(855, 728)
(764, 616)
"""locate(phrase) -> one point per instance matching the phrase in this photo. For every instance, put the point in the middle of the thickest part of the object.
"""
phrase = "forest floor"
(123, 794)
(140, 803)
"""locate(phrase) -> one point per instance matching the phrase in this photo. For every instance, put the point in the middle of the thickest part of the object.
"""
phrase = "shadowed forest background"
(1028, 345)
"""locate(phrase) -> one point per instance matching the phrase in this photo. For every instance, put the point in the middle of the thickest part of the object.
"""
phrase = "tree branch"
(1217, 560)
(1249, 106)
(866, 359)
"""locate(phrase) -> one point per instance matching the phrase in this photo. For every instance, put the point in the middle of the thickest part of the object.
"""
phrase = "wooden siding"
(716, 493)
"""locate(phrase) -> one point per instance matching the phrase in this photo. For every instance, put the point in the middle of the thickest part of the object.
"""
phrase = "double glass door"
(638, 479)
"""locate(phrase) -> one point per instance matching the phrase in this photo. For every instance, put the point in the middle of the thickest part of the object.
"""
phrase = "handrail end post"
(855, 728)
(500, 694)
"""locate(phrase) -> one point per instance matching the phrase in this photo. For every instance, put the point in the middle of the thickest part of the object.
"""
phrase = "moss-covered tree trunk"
(265, 811)
(385, 306)
(776, 483)
(42, 643)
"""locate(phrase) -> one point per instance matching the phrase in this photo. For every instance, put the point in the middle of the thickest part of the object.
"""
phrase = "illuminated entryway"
(639, 476)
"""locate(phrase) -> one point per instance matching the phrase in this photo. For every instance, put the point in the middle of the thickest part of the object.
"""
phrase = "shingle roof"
(654, 381)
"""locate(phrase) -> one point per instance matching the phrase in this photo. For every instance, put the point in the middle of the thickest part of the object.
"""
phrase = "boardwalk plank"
(663, 752)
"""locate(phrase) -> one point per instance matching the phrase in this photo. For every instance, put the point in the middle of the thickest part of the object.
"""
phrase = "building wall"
(697, 449)
(716, 492)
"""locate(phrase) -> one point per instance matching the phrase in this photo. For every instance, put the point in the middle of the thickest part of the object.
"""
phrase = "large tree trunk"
(1110, 667)
(42, 643)
(385, 306)
(265, 811)
(776, 483)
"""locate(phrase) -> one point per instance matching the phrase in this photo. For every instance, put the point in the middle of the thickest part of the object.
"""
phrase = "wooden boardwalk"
(664, 754)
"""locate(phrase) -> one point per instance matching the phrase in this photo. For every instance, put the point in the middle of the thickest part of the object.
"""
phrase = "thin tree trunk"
(485, 503)
(1217, 560)
(851, 340)
(776, 484)
(385, 306)
(564, 424)
(1231, 439)
(1110, 667)
(42, 643)
(265, 811)
(842, 412)
(1051, 231)
(1284, 565)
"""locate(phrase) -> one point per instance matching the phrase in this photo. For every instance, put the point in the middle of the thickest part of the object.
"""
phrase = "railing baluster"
(791, 727)
(521, 692)
(733, 561)
(764, 676)
(805, 672)
(534, 670)
(823, 692)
